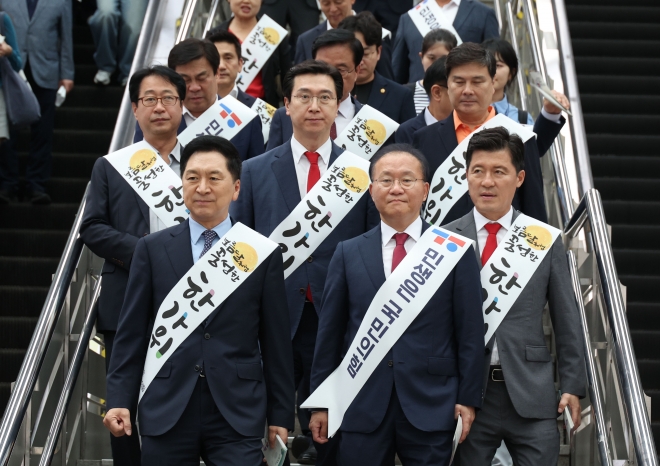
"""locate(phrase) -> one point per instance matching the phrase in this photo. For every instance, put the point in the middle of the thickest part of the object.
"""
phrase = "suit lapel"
(371, 251)
(379, 92)
(179, 249)
(182, 126)
(284, 170)
(448, 133)
(37, 10)
(467, 228)
(336, 152)
(144, 208)
(463, 13)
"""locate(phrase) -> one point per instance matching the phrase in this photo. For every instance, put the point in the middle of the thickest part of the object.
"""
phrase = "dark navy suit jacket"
(474, 22)
(392, 99)
(248, 330)
(249, 141)
(404, 134)
(437, 362)
(281, 128)
(115, 219)
(387, 12)
(306, 40)
(438, 140)
(269, 193)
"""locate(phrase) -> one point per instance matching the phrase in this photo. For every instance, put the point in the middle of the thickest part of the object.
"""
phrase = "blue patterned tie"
(209, 236)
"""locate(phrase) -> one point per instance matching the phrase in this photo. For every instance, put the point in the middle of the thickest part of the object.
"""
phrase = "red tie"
(333, 131)
(491, 241)
(312, 177)
(399, 250)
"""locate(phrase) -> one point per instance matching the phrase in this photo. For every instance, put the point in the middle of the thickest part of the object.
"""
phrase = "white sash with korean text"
(226, 118)
(322, 209)
(207, 284)
(396, 305)
(449, 180)
(512, 265)
(153, 180)
(257, 48)
(265, 111)
(367, 132)
(428, 15)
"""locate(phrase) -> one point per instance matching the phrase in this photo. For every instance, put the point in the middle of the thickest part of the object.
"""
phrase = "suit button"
(207, 336)
(197, 368)
(302, 291)
(310, 259)
(390, 363)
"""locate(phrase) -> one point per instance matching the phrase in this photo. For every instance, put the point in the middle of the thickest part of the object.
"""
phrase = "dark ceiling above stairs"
(616, 45)
(32, 238)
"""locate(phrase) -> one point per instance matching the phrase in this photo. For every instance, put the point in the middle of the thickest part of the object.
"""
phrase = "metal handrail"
(209, 21)
(595, 394)
(70, 381)
(591, 209)
(569, 75)
(34, 356)
(514, 44)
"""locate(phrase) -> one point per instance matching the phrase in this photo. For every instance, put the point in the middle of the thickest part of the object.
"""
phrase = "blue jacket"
(7, 29)
(306, 40)
(242, 345)
(281, 128)
(269, 193)
(474, 22)
(438, 140)
(405, 132)
(249, 141)
(437, 362)
(392, 99)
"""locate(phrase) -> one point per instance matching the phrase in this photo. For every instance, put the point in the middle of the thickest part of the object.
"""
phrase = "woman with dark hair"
(436, 44)
(264, 86)
(507, 68)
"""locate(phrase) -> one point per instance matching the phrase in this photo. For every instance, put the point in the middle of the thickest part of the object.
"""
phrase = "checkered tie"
(209, 236)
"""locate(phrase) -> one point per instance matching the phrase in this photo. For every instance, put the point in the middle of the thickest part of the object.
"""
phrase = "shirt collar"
(455, 2)
(299, 151)
(414, 230)
(458, 122)
(428, 118)
(234, 92)
(175, 155)
(347, 108)
(187, 112)
(505, 221)
(196, 230)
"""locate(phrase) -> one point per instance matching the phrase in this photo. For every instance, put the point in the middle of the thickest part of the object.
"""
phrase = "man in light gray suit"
(43, 30)
(520, 403)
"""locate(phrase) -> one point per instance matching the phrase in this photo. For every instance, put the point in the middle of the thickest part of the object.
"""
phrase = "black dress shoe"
(308, 456)
(299, 445)
(39, 198)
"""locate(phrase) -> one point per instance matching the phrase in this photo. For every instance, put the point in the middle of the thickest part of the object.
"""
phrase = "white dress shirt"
(450, 10)
(197, 235)
(482, 235)
(414, 231)
(345, 114)
(302, 164)
(189, 118)
(428, 118)
(156, 224)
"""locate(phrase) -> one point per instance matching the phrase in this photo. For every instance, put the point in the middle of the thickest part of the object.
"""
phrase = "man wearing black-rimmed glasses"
(116, 218)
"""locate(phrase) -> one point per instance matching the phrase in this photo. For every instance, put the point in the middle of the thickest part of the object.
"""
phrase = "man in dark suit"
(116, 217)
(520, 404)
(387, 12)
(44, 36)
(372, 88)
(336, 11)
(275, 183)
(439, 108)
(474, 22)
(208, 77)
(433, 372)
(470, 71)
(233, 373)
(342, 50)
(301, 15)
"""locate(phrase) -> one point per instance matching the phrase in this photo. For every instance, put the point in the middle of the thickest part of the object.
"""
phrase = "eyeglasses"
(405, 183)
(167, 101)
(344, 72)
(324, 99)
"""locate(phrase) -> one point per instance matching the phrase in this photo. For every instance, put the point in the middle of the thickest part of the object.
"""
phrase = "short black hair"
(217, 34)
(339, 37)
(435, 74)
(213, 144)
(366, 24)
(439, 36)
(312, 67)
(399, 147)
(496, 139)
(193, 49)
(161, 71)
(469, 52)
(506, 53)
